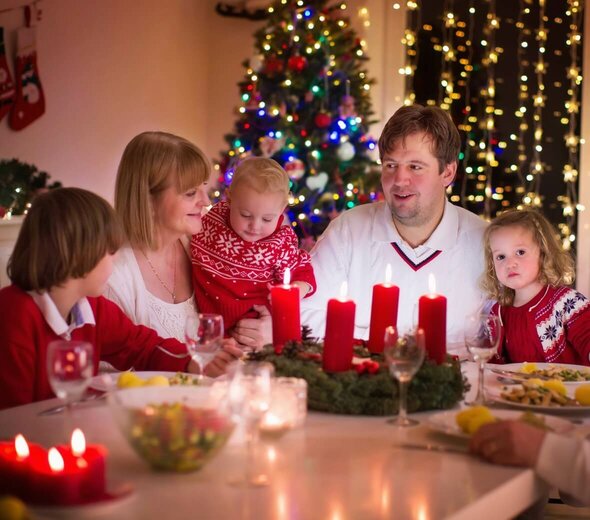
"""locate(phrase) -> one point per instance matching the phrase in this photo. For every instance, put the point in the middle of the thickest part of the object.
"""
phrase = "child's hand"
(304, 288)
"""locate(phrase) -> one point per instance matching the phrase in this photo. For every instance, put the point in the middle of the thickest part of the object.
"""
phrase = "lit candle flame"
(78, 443)
(431, 284)
(388, 274)
(287, 277)
(343, 290)
(56, 461)
(21, 447)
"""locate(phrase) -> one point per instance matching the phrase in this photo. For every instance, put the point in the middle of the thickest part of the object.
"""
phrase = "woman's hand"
(512, 443)
(254, 333)
(228, 353)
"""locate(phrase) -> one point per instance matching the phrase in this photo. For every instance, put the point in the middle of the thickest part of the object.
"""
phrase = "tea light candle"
(432, 318)
(383, 311)
(284, 302)
(273, 426)
(88, 459)
(15, 465)
(338, 343)
(53, 483)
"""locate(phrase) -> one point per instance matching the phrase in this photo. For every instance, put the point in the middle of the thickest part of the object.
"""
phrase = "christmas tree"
(306, 104)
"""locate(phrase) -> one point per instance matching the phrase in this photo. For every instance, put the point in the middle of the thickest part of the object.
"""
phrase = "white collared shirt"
(358, 245)
(81, 314)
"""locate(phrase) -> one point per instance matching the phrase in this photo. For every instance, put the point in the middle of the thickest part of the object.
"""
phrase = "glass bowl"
(172, 428)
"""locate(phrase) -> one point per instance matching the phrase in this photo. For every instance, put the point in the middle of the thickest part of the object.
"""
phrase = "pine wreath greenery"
(19, 183)
(434, 387)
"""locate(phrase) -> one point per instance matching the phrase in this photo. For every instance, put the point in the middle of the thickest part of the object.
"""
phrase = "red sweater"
(231, 275)
(24, 336)
(554, 327)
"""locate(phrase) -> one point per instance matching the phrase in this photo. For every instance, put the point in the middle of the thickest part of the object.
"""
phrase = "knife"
(97, 398)
(518, 375)
(432, 447)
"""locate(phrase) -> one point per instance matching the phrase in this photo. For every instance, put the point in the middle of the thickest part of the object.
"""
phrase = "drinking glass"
(482, 337)
(404, 356)
(204, 335)
(70, 366)
(249, 396)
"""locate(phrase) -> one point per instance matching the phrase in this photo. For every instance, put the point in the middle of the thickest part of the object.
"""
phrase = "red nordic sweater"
(231, 275)
(24, 336)
(554, 327)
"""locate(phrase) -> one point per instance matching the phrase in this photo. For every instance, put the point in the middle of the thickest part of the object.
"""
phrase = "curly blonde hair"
(556, 266)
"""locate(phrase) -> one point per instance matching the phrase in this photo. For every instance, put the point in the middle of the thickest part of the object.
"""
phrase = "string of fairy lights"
(479, 119)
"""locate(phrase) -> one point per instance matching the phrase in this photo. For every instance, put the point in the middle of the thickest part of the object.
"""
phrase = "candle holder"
(287, 409)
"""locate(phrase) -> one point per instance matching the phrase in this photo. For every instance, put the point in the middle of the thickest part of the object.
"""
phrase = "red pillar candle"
(54, 483)
(339, 338)
(15, 466)
(383, 311)
(432, 318)
(284, 302)
(90, 460)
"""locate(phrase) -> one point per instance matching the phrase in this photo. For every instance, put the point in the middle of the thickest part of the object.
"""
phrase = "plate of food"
(464, 423)
(546, 396)
(131, 379)
(568, 374)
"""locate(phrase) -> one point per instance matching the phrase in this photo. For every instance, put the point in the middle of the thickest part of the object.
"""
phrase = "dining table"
(334, 467)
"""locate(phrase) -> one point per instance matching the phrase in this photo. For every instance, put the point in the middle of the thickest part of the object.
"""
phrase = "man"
(416, 230)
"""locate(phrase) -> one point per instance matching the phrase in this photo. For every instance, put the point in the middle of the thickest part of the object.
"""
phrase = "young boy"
(59, 267)
(243, 248)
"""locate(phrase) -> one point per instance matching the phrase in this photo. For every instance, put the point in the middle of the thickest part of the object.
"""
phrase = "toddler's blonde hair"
(261, 174)
(556, 266)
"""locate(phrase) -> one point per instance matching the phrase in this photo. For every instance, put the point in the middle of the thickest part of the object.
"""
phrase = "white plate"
(516, 367)
(445, 422)
(107, 382)
(116, 496)
(498, 399)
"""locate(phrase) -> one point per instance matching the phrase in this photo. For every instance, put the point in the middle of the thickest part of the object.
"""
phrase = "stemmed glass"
(204, 335)
(70, 365)
(482, 337)
(249, 396)
(404, 356)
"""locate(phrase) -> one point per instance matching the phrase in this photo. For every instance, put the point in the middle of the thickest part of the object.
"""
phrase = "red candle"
(90, 460)
(284, 301)
(383, 311)
(54, 483)
(15, 466)
(432, 318)
(339, 333)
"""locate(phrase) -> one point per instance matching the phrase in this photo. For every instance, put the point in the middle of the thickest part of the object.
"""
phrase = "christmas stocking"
(30, 101)
(6, 83)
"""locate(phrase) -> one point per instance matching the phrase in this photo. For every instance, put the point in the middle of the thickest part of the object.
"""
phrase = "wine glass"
(204, 335)
(70, 365)
(249, 397)
(404, 356)
(482, 337)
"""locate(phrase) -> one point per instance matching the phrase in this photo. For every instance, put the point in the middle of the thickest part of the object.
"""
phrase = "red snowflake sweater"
(554, 327)
(25, 335)
(231, 275)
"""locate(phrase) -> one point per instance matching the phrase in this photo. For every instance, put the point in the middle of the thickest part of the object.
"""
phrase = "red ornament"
(322, 120)
(273, 65)
(297, 63)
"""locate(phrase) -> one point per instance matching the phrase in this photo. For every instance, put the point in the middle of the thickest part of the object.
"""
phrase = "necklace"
(162, 282)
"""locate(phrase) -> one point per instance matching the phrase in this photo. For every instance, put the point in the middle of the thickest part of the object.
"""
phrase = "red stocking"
(6, 83)
(30, 101)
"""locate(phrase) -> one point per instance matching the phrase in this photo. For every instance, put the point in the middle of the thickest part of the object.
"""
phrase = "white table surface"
(334, 468)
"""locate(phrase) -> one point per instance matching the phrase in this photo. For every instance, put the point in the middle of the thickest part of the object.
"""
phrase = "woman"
(159, 196)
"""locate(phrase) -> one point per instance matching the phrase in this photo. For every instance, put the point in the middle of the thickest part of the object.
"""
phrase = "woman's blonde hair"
(261, 174)
(65, 234)
(556, 266)
(151, 163)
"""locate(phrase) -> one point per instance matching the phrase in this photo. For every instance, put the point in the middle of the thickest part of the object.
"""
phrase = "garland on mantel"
(367, 389)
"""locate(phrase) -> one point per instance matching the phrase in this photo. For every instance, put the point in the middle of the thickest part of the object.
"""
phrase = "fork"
(60, 408)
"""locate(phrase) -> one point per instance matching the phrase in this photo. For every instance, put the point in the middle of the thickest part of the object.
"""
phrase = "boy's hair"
(151, 163)
(261, 174)
(65, 234)
(433, 121)
(556, 266)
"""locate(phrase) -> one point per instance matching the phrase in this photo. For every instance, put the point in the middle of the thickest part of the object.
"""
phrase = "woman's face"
(177, 214)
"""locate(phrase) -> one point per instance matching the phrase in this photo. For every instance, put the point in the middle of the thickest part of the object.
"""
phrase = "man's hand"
(254, 333)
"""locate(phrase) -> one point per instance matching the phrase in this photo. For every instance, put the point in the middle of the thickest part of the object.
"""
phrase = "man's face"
(413, 186)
